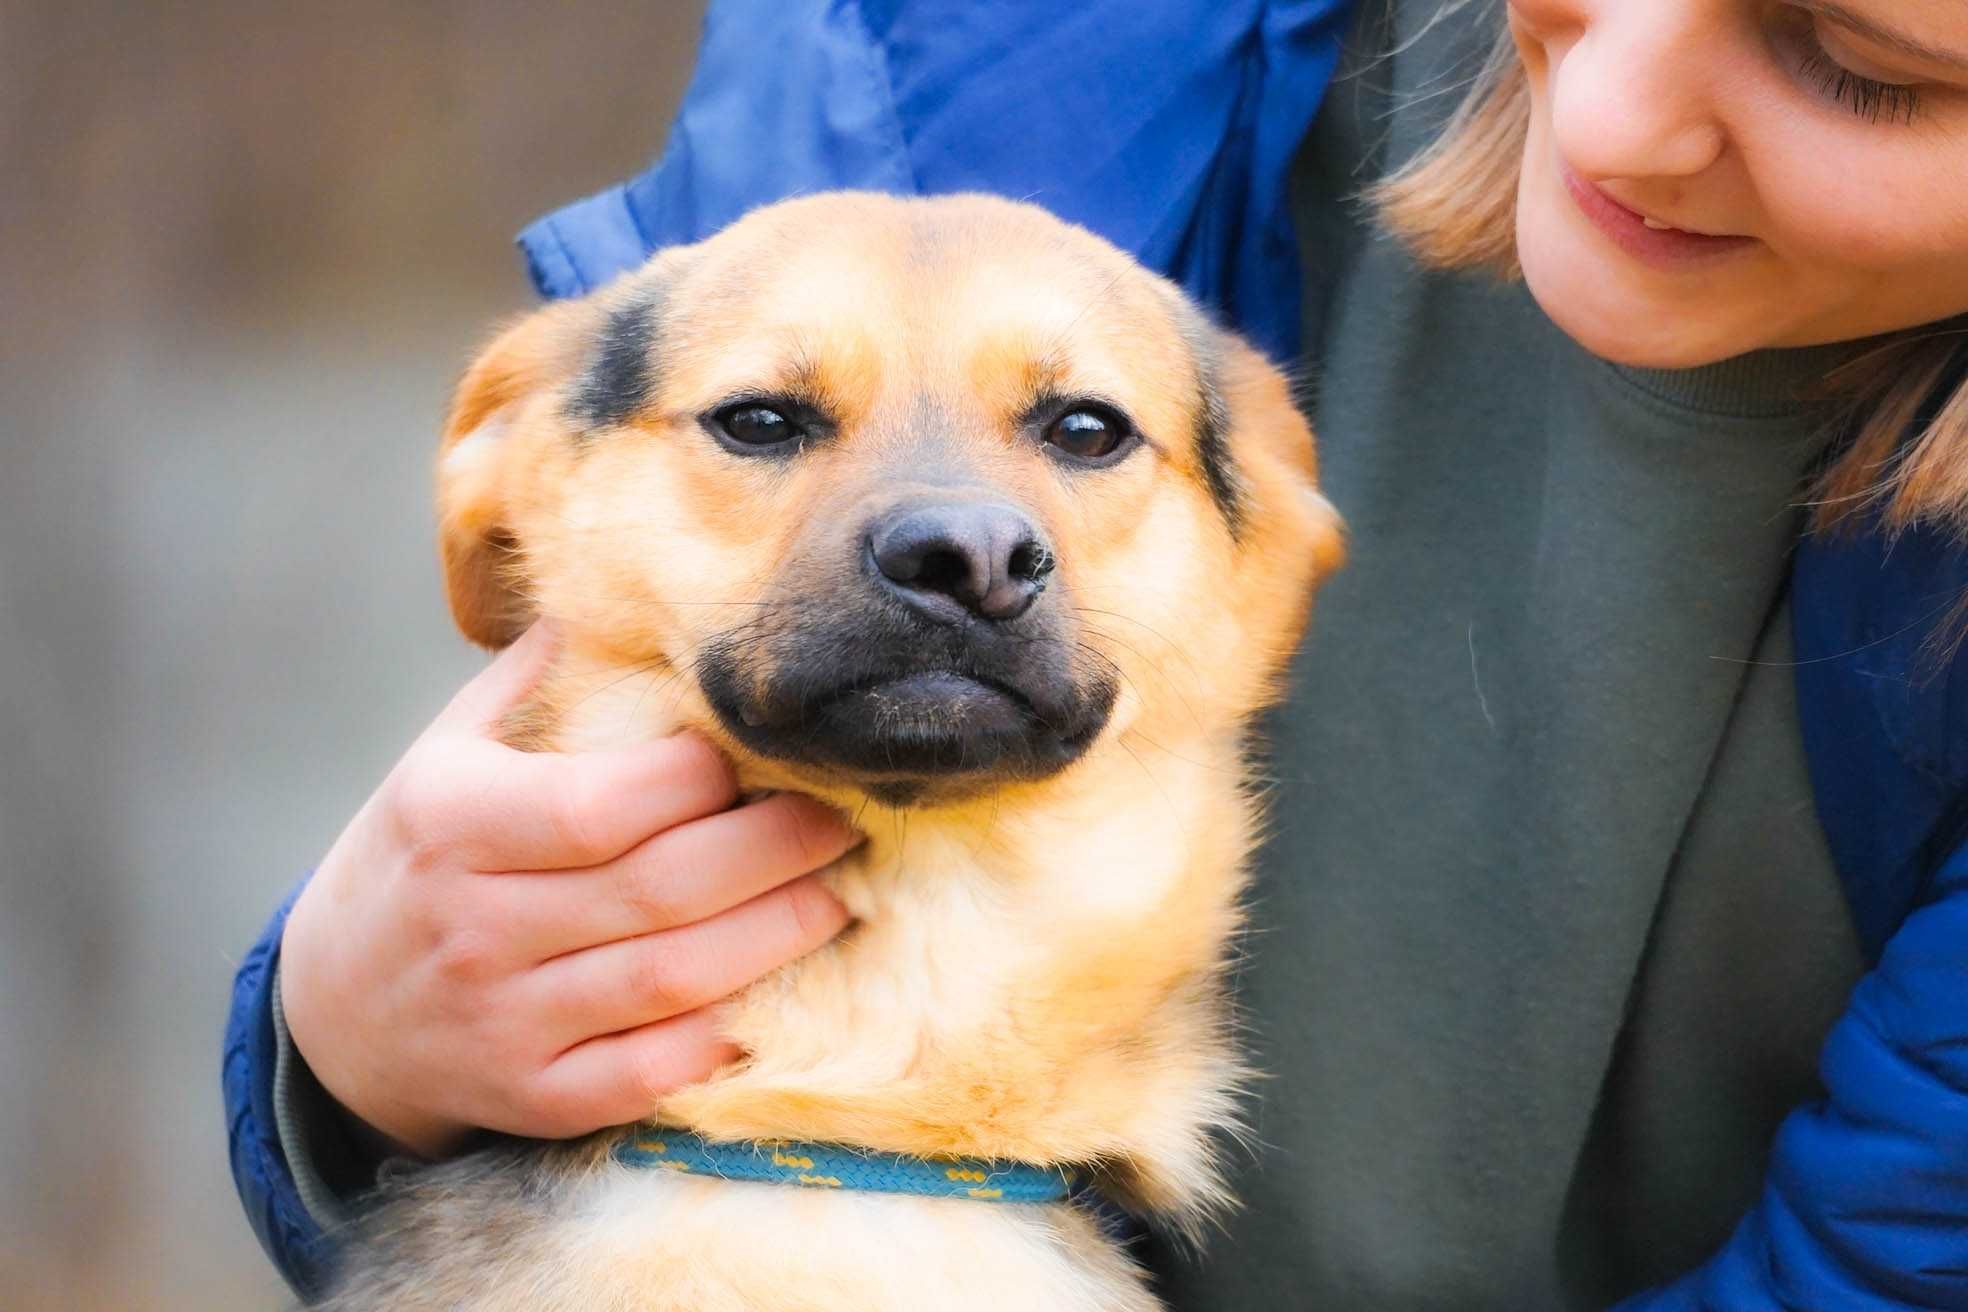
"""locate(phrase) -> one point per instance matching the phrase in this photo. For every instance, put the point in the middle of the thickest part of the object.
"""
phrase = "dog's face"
(914, 498)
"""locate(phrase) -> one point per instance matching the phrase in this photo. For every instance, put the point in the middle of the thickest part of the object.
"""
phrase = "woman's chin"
(1617, 341)
(1637, 331)
(1624, 314)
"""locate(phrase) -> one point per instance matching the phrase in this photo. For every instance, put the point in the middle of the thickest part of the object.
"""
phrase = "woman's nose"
(1631, 98)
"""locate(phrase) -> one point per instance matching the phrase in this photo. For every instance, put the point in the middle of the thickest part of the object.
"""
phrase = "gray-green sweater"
(1548, 935)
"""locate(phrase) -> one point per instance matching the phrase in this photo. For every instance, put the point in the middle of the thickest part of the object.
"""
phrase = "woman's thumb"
(503, 684)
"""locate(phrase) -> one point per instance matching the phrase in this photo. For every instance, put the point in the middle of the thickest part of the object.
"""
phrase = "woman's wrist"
(369, 1134)
(332, 1155)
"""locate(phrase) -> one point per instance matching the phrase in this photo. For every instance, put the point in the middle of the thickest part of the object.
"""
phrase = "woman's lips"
(1664, 248)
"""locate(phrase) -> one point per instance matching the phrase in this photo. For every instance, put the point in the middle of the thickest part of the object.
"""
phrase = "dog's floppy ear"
(1288, 535)
(509, 391)
(1275, 459)
(1256, 454)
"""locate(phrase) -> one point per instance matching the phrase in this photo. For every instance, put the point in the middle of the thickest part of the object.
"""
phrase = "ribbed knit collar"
(1758, 385)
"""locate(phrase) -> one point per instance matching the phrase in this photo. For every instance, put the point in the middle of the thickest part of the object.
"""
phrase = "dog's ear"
(1274, 459)
(1288, 536)
(1257, 455)
(508, 393)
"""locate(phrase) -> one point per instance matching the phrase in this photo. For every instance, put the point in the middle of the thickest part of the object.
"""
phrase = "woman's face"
(1706, 177)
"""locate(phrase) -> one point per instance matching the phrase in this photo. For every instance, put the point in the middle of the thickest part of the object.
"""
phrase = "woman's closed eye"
(1872, 98)
(1879, 74)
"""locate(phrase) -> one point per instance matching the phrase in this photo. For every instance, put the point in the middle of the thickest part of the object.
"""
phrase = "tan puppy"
(949, 513)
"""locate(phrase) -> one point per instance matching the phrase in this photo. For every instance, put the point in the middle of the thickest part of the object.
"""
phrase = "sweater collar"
(1758, 385)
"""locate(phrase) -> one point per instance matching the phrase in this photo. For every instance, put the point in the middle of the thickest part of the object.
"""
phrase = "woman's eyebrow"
(1879, 34)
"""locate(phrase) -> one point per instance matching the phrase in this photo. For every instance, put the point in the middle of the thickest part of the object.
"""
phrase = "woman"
(1610, 769)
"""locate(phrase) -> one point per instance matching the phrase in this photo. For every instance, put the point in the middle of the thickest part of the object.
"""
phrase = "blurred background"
(244, 251)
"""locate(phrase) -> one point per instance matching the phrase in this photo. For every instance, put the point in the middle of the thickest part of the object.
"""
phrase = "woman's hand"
(527, 942)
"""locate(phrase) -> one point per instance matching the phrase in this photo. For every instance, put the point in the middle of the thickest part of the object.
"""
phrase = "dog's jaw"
(860, 692)
(932, 736)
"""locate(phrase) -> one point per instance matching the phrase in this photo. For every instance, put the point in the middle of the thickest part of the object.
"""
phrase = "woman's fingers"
(619, 1078)
(466, 793)
(432, 993)
(498, 810)
(477, 708)
(684, 874)
(636, 981)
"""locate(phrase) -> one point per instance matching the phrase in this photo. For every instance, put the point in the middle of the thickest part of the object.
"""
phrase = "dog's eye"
(751, 424)
(1090, 432)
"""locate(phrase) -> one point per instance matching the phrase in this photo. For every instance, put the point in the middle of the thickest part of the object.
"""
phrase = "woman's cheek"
(1922, 214)
(1842, 209)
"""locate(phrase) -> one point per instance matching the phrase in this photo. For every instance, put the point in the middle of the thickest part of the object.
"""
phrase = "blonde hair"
(1903, 401)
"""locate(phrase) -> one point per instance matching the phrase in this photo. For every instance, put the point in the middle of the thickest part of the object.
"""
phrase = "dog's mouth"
(906, 733)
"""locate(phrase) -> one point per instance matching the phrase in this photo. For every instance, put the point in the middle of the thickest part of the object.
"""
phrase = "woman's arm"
(260, 1170)
(1865, 1206)
(522, 942)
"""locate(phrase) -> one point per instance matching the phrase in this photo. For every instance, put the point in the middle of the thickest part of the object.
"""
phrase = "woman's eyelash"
(1870, 99)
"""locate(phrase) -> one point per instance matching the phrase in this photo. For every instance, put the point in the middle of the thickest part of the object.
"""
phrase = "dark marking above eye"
(622, 378)
(1213, 450)
(1213, 458)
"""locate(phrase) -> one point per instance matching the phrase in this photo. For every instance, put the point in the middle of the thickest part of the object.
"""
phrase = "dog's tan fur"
(1035, 968)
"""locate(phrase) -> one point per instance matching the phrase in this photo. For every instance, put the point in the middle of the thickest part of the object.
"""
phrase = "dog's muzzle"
(939, 659)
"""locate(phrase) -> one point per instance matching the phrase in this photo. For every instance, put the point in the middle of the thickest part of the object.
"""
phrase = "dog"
(947, 512)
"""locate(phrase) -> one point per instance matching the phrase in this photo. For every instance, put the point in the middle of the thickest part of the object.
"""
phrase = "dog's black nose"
(958, 559)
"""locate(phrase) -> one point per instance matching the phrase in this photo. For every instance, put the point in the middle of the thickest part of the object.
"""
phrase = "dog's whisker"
(629, 720)
(1153, 668)
(1122, 742)
(1237, 771)
(676, 666)
(671, 601)
(1167, 641)
(648, 667)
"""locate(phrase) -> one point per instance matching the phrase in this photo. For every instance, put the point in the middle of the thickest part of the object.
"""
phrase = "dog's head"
(906, 497)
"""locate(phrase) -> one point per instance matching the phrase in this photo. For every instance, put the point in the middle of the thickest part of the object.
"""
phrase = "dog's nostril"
(1029, 562)
(947, 571)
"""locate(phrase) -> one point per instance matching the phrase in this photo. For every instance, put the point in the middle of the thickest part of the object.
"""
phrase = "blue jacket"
(1182, 161)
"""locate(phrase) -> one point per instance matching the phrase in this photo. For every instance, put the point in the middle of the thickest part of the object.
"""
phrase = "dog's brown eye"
(1091, 433)
(756, 425)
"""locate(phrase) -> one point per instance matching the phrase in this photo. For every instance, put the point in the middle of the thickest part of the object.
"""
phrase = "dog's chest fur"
(557, 1230)
(1037, 980)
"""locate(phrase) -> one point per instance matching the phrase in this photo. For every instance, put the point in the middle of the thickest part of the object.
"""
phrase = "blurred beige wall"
(243, 251)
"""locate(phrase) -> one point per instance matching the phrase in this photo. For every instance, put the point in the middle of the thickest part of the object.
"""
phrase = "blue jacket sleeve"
(1865, 1206)
(1167, 128)
(259, 1166)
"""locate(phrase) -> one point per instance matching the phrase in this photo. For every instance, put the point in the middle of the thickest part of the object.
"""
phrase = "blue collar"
(833, 1166)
